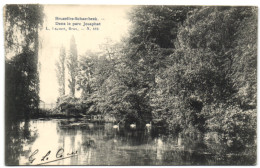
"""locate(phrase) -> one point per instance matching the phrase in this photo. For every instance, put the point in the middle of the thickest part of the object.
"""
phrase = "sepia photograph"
(130, 85)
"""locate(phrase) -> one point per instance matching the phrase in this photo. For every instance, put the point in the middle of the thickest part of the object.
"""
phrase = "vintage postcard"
(130, 85)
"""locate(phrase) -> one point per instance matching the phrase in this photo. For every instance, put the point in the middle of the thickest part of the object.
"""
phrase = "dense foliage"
(22, 23)
(188, 69)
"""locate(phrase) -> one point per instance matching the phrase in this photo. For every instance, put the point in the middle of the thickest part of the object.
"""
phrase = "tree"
(244, 56)
(215, 52)
(148, 51)
(60, 71)
(21, 27)
(153, 34)
(85, 76)
(22, 23)
(72, 64)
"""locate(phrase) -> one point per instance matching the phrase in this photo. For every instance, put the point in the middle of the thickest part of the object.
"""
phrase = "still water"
(79, 142)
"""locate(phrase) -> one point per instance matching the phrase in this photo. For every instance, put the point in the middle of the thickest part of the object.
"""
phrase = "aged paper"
(130, 85)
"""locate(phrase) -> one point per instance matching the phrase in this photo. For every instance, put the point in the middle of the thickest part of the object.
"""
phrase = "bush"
(237, 127)
(70, 105)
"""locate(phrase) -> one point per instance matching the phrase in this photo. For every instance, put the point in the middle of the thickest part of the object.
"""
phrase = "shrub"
(237, 127)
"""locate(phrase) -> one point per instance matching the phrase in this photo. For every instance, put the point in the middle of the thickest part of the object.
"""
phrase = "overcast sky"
(114, 25)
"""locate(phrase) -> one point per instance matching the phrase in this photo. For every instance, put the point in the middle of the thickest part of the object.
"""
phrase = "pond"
(80, 142)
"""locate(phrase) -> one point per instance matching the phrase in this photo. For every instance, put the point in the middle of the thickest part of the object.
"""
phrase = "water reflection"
(101, 144)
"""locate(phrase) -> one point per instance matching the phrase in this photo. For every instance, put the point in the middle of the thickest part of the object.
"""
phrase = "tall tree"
(22, 23)
(215, 52)
(60, 71)
(72, 64)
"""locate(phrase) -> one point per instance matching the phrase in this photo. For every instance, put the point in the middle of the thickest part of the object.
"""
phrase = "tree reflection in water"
(100, 144)
(19, 134)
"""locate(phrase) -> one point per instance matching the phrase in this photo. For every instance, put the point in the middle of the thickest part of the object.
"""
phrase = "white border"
(110, 2)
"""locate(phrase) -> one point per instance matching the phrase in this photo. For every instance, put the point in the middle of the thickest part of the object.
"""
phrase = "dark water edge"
(101, 144)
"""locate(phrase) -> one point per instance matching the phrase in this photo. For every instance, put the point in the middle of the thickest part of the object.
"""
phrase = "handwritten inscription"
(59, 155)
(31, 158)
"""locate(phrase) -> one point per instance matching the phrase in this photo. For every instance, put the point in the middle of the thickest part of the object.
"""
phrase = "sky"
(112, 22)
